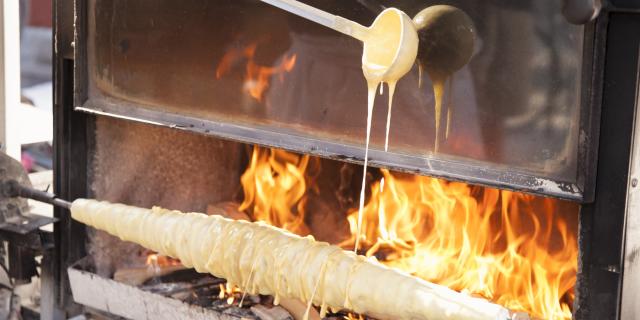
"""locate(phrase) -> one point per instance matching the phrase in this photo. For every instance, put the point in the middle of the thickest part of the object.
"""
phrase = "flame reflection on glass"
(257, 77)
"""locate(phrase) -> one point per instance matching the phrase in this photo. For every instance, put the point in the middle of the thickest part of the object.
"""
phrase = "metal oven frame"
(609, 101)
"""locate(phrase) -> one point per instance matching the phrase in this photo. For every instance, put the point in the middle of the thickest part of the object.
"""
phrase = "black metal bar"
(72, 132)
(449, 168)
(623, 5)
(12, 188)
(602, 222)
(594, 46)
(71, 156)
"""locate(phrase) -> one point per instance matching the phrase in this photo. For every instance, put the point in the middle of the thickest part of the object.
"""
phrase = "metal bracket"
(15, 188)
(12, 188)
(18, 228)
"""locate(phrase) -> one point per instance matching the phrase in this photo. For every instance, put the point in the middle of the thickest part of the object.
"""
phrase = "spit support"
(12, 189)
(19, 228)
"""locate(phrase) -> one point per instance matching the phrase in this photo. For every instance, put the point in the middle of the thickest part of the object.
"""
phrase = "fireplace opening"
(513, 249)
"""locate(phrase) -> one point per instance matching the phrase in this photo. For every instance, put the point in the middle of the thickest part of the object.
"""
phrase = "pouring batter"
(447, 37)
(390, 50)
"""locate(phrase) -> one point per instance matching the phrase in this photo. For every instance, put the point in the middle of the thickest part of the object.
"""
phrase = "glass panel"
(515, 105)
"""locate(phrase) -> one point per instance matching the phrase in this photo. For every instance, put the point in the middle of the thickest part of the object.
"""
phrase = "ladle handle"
(326, 19)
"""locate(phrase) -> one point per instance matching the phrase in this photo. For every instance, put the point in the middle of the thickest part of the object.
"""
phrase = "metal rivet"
(634, 182)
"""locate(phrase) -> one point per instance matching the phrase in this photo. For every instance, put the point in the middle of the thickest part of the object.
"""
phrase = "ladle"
(447, 37)
(404, 50)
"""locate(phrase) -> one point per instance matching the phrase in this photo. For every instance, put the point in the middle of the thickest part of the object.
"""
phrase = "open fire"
(514, 249)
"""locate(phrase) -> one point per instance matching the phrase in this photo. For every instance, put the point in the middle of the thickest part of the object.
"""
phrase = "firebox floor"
(182, 294)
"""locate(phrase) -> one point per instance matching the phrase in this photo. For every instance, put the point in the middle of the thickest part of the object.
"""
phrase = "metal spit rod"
(12, 188)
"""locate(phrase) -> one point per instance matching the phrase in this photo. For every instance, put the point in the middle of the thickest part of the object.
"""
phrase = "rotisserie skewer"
(267, 260)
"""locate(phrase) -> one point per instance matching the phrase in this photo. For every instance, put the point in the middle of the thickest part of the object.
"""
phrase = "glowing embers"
(514, 249)
(351, 316)
(229, 293)
(257, 77)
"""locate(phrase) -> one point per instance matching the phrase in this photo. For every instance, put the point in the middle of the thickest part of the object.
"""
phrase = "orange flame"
(351, 316)
(514, 249)
(503, 248)
(257, 77)
(275, 188)
(229, 293)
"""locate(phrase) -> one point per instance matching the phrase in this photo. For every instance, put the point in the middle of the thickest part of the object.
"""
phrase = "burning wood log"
(267, 260)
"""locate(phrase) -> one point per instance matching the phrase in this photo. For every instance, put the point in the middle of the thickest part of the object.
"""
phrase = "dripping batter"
(447, 38)
(390, 49)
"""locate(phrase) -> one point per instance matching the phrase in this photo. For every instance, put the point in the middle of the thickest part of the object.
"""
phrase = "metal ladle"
(447, 38)
(405, 49)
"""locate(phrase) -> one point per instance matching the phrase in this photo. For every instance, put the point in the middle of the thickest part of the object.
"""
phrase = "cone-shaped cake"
(263, 259)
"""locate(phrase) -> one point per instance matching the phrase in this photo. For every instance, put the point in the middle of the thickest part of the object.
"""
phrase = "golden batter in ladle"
(447, 37)
(389, 53)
